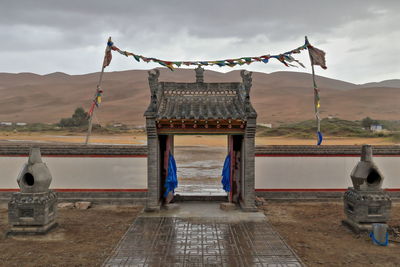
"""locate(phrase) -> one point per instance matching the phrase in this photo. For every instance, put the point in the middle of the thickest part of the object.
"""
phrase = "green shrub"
(79, 118)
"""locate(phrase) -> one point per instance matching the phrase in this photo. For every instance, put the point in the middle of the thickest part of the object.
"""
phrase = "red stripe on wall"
(145, 156)
(82, 190)
(319, 156)
(82, 156)
(392, 189)
(312, 189)
(257, 190)
(8, 190)
(99, 190)
(300, 190)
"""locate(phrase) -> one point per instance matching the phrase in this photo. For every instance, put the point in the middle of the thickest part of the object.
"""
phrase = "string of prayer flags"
(285, 58)
(317, 57)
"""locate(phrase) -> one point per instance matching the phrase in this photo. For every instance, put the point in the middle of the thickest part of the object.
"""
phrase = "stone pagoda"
(33, 209)
(366, 202)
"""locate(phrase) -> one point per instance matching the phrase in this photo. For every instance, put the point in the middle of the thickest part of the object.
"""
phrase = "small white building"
(5, 123)
(21, 124)
(268, 125)
(376, 128)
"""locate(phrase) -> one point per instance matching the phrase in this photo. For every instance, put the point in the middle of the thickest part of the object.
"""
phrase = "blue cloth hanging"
(320, 138)
(226, 174)
(172, 180)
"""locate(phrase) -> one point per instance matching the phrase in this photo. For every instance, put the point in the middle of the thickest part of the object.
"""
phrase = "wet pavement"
(183, 237)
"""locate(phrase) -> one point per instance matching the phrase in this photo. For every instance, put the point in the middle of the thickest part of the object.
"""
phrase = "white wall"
(82, 173)
(131, 172)
(318, 172)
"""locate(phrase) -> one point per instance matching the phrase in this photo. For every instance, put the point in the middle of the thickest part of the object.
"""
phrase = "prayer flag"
(136, 57)
(107, 58)
(317, 56)
(320, 138)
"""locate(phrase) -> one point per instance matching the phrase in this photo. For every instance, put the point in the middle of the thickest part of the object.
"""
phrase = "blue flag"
(172, 180)
(226, 174)
(320, 138)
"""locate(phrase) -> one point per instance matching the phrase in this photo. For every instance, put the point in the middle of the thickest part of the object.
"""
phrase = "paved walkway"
(199, 234)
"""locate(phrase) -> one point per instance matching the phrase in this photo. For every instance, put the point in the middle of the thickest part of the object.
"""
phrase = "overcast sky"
(361, 38)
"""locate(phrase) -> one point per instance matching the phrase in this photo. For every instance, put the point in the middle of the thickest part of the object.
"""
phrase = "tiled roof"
(199, 100)
(201, 107)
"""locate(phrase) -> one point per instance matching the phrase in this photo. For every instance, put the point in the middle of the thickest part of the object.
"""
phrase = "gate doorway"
(199, 161)
(201, 108)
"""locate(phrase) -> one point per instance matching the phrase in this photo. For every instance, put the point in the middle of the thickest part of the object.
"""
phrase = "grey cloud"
(162, 27)
(201, 18)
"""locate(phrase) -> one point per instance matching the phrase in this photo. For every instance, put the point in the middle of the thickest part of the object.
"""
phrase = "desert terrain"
(278, 97)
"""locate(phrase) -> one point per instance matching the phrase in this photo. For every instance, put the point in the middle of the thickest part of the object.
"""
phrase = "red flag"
(317, 56)
(107, 58)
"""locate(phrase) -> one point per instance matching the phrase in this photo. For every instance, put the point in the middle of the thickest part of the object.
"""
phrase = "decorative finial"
(366, 153)
(246, 79)
(199, 74)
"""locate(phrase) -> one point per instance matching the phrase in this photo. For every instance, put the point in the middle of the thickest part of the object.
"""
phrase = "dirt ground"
(87, 237)
(83, 238)
(315, 232)
(180, 140)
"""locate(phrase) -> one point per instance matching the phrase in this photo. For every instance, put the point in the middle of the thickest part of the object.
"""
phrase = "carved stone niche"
(33, 209)
(366, 202)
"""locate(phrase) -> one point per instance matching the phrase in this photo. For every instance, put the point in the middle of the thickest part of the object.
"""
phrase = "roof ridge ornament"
(246, 78)
(199, 74)
(153, 83)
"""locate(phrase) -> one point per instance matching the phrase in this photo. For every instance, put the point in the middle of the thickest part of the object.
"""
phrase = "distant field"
(182, 140)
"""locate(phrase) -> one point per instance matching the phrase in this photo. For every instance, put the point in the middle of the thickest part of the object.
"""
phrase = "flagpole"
(316, 95)
(97, 90)
(315, 100)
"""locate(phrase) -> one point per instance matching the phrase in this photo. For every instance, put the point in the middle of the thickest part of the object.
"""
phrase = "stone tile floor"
(186, 241)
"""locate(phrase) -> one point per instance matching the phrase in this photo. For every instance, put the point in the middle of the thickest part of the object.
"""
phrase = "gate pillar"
(153, 165)
(247, 202)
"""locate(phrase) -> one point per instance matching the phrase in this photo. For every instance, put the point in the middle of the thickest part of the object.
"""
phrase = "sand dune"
(278, 97)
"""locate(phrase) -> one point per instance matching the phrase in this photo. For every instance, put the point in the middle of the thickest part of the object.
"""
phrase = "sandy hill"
(278, 97)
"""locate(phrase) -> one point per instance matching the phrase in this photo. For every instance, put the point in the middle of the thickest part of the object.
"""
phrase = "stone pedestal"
(366, 203)
(33, 209)
(363, 208)
(32, 213)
